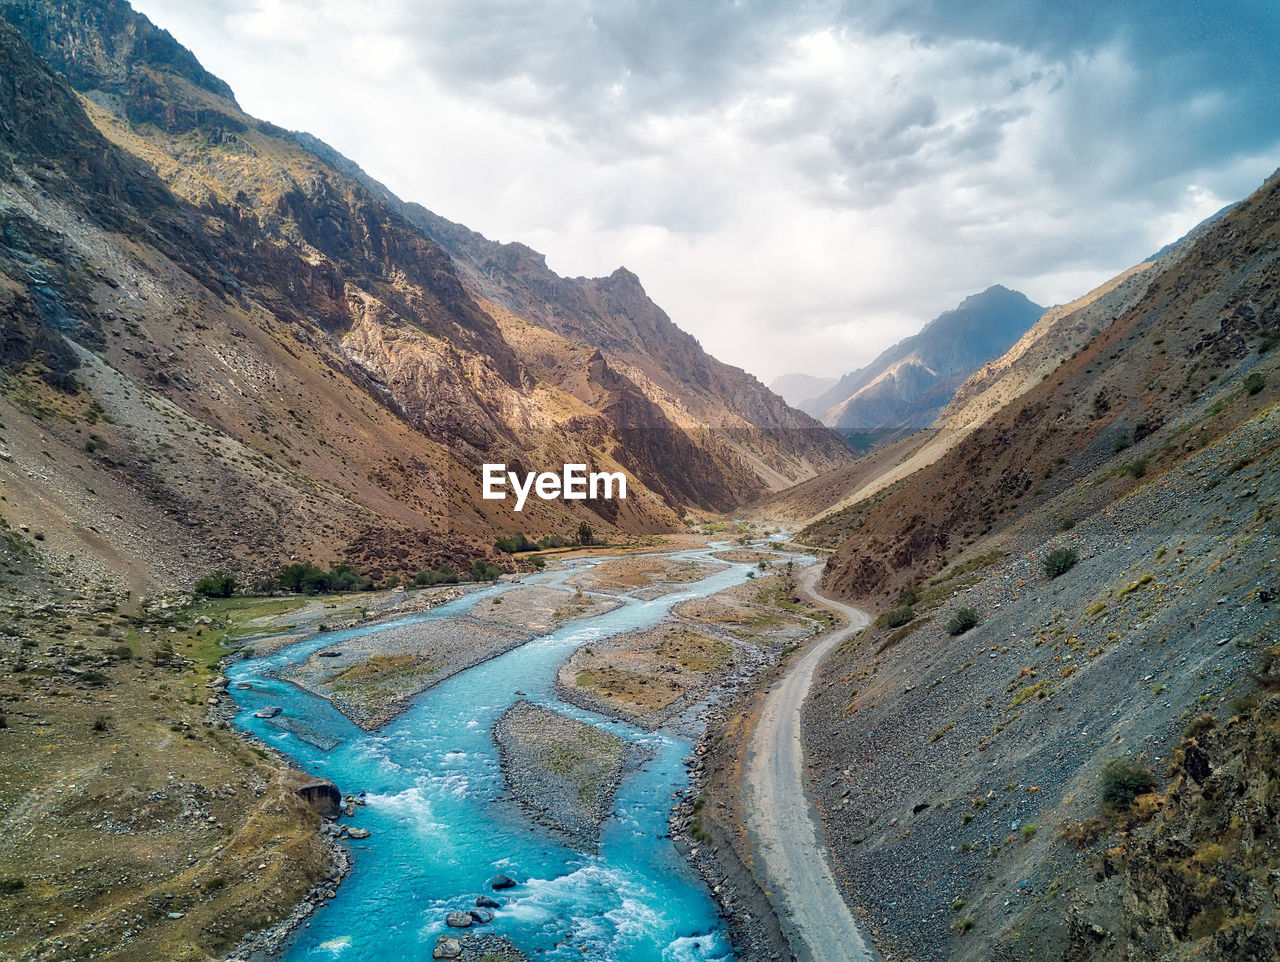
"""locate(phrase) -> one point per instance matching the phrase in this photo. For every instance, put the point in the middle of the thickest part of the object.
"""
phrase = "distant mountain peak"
(910, 383)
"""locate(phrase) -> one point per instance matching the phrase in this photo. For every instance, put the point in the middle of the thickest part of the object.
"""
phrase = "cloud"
(798, 184)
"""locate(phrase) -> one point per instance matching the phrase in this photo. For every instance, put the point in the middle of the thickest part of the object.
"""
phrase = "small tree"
(1123, 781)
(220, 584)
(1059, 561)
(586, 536)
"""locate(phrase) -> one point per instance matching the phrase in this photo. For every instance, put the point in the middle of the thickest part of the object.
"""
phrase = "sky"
(798, 184)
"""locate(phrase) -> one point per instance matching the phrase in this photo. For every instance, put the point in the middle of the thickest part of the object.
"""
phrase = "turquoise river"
(441, 827)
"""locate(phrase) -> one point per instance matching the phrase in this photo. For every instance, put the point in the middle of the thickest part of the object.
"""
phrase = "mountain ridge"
(255, 285)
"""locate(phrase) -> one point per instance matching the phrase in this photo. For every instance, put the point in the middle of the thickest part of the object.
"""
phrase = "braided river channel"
(441, 827)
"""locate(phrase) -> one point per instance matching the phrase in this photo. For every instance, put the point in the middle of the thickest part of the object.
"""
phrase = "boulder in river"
(484, 902)
(447, 948)
(481, 916)
(500, 882)
(459, 920)
(269, 712)
(357, 833)
(320, 795)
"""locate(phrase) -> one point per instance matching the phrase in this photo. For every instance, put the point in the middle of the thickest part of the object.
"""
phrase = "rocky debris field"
(372, 678)
(957, 765)
(562, 771)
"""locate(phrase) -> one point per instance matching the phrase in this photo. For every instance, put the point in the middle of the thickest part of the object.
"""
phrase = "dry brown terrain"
(134, 826)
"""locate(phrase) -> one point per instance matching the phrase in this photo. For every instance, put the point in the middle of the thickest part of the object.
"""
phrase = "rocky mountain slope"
(966, 746)
(910, 383)
(731, 416)
(223, 339)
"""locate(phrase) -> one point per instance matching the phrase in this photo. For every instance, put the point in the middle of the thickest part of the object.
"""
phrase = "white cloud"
(796, 189)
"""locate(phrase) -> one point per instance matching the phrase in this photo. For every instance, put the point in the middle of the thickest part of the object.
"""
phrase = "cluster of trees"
(519, 541)
(447, 574)
(220, 584)
(305, 578)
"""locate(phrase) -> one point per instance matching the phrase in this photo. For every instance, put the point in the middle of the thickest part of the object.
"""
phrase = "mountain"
(1070, 691)
(732, 413)
(210, 315)
(910, 383)
(796, 389)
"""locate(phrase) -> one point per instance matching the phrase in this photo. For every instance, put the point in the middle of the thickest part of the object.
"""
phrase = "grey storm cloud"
(797, 183)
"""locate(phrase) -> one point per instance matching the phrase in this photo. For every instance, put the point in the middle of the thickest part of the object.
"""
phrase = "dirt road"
(784, 829)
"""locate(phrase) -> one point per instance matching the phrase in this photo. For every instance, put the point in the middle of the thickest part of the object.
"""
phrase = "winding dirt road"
(784, 828)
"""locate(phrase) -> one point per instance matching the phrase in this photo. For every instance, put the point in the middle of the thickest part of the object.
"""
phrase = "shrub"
(1255, 382)
(1120, 442)
(96, 679)
(897, 617)
(10, 885)
(962, 621)
(537, 561)
(122, 652)
(585, 535)
(301, 577)
(1059, 561)
(483, 571)
(343, 577)
(513, 543)
(220, 584)
(102, 723)
(1137, 468)
(445, 574)
(1122, 781)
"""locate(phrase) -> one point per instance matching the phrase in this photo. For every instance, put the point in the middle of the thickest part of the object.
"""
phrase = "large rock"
(459, 920)
(447, 948)
(320, 795)
(484, 902)
(500, 882)
(481, 916)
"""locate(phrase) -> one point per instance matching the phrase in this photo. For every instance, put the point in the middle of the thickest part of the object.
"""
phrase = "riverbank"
(135, 825)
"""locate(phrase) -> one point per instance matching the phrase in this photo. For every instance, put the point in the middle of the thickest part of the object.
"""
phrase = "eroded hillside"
(1085, 581)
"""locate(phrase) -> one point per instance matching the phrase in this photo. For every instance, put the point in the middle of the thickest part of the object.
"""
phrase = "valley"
(370, 589)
